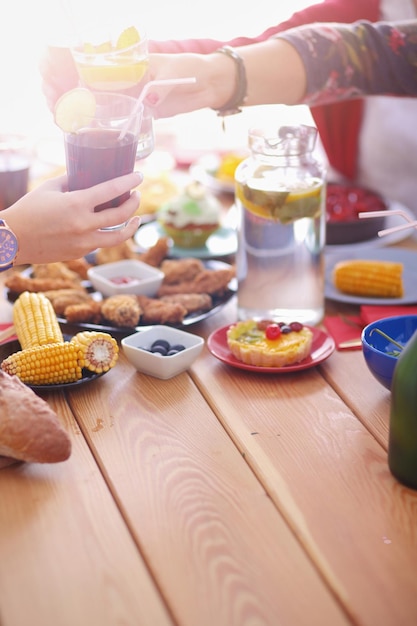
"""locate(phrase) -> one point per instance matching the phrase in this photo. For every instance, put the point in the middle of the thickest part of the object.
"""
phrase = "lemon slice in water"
(74, 109)
(285, 205)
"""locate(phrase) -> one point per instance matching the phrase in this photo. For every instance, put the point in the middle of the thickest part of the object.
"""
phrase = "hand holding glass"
(104, 145)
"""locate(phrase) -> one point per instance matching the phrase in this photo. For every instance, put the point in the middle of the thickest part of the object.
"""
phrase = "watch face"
(8, 247)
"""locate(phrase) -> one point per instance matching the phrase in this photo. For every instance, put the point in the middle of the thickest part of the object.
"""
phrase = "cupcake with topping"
(191, 217)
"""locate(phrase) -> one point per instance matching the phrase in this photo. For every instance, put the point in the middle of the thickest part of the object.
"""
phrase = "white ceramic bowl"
(136, 348)
(127, 276)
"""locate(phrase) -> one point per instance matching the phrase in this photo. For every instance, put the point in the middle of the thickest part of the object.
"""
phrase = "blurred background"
(28, 27)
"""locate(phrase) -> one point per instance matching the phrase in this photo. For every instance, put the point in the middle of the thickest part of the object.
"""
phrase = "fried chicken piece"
(191, 301)
(18, 283)
(158, 312)
(180, 270)
(214, 281)
(54, 270)
(156, 253)
(79, 266)
(115, 253)
(122, 310)
(61, 298)
(154, 256)
(208, 281)
(51, 294)
(84, 313)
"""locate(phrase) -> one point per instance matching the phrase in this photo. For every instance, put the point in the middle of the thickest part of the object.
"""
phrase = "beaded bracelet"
(239, 95)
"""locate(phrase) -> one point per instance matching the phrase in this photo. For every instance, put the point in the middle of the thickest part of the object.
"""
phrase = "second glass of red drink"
(15, 160)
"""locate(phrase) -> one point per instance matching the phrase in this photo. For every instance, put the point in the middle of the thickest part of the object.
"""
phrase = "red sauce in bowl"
(123, 280)
(343, 204)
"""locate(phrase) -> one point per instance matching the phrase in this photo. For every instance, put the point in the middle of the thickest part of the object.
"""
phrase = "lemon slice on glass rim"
(74, 109)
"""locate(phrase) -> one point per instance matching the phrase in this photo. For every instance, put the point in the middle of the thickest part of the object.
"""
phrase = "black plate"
(193, 318)
(12, 346)
(354, 199)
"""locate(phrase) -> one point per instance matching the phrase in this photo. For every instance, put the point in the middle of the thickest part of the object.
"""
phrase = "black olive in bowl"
(343, 204)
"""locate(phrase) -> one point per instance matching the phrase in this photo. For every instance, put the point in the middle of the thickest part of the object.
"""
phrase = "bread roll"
(29, 429)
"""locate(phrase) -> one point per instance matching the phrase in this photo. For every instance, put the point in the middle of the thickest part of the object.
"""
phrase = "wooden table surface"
(217, 498)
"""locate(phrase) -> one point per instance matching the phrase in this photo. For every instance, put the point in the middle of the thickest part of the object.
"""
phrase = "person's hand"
(53, 224)
(275, 74)
(214, 74)
(58, 73)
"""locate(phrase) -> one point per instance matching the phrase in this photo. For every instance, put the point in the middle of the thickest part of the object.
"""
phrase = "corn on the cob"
(46, 365)
(375, 279)
(45, 357)
(100, 350)
(35, 321)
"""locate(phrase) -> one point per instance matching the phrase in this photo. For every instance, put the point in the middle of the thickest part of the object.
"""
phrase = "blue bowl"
(376, 348)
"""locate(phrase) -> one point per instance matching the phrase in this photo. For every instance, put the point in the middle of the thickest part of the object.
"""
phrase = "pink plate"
(323, 347)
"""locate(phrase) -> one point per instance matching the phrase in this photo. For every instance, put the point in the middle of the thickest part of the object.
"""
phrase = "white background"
(29, 25)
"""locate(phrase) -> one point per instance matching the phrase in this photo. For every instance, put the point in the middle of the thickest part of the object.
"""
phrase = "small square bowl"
(136, 348)
(126, 276)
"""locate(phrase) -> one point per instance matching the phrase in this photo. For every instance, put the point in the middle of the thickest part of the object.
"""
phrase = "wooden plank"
(66, 556)
(217, 546)
(329, 478)
(349, 375)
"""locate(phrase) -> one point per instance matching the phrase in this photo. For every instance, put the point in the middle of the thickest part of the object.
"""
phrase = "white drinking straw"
(397, 229)
(153, 83)
(394, 229)
(365, 214)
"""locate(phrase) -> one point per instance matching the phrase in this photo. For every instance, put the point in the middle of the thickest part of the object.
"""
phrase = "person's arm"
(58, 71)
(55, 225)
(326, 11)
(215, 76)
(343, 62)
(312, 64)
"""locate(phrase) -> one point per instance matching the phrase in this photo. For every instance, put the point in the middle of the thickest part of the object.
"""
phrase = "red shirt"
(338, 124)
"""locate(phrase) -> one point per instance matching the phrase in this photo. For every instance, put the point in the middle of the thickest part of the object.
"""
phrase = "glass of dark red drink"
(104, 145)
(14, 168)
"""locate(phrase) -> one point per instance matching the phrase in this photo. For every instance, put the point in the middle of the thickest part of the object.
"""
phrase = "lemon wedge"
(128, 38)
(74, 109)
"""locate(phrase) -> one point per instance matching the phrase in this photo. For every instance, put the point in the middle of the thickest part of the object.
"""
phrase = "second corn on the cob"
(58, 363)
(374, 279)
(46, 365)
(35, 321)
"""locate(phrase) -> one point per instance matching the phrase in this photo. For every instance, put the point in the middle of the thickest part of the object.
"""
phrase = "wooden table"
(217, 498)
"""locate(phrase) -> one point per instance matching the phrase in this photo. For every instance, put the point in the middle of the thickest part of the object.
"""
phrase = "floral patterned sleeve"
(347, 61)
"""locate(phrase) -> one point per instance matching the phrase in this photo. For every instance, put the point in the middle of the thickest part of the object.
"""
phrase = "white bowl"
(136, 348)
(139, 278)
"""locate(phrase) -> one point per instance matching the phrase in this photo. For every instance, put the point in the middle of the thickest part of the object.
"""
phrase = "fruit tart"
(269, 344)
